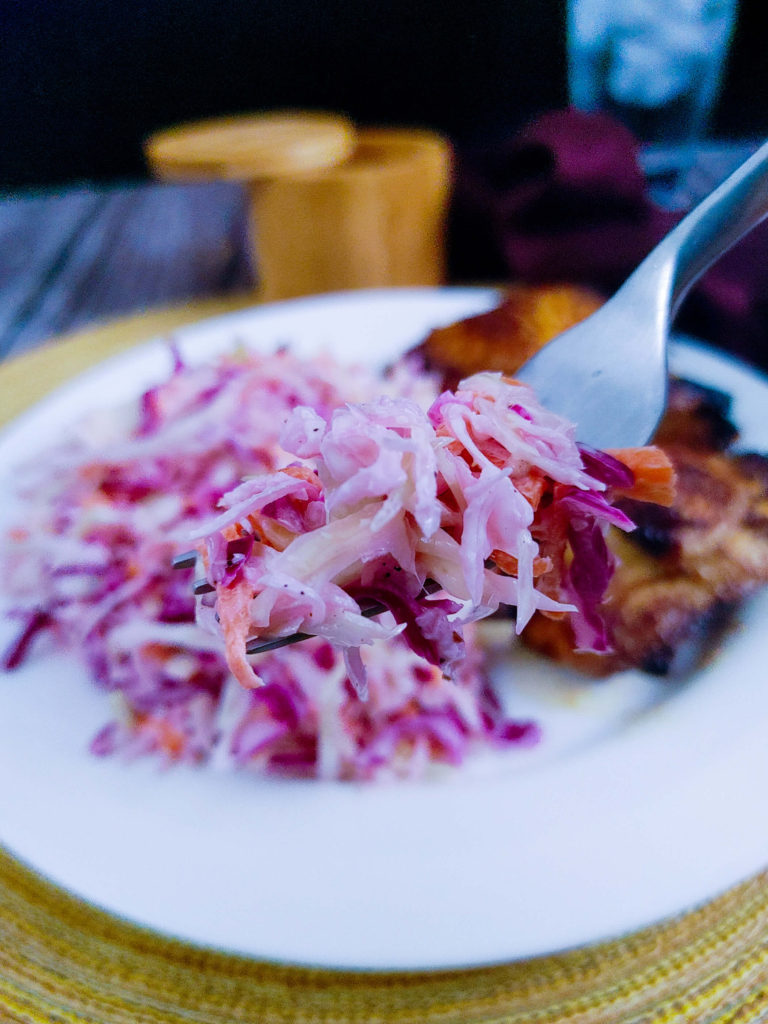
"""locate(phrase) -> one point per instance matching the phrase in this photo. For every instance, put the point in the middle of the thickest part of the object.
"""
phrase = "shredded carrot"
(270, 532)
(233, 606)
(301, 473)
(168, 739)
(171, 740)
(654, 474)
(532, 487)
(508, 563)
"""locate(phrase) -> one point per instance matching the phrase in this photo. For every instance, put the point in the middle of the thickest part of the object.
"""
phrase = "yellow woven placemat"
(64, 961)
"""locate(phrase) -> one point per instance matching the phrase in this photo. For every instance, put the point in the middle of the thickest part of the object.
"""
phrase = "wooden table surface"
(85, 254)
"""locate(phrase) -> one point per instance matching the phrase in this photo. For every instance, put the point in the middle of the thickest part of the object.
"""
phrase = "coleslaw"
(89, 568)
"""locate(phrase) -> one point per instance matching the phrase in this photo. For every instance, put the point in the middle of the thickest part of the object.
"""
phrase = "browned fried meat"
(697, 417)
(503, 339)
(686, 570)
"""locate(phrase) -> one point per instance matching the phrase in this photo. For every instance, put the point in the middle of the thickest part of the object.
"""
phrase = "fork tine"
(257, 646)
(185, 560)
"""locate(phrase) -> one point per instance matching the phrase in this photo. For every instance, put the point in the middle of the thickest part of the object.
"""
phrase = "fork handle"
(710, 229)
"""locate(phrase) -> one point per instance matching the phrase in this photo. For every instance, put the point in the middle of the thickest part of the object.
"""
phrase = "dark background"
(82, 82)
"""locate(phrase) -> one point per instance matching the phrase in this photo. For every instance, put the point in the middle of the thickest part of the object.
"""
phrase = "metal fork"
(608, 374)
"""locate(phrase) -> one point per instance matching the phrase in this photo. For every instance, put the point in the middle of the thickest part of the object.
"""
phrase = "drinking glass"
(657, 65)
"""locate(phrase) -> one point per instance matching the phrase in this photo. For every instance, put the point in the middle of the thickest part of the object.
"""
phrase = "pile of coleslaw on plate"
(312, 488)
(90, 571)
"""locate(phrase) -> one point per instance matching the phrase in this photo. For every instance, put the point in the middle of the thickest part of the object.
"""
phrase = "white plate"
(642, 799)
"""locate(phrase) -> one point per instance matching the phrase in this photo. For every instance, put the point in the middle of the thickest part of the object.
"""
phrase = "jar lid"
(252, 147)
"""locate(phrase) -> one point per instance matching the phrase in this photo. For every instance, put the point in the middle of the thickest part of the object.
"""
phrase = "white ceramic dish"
(642, 799)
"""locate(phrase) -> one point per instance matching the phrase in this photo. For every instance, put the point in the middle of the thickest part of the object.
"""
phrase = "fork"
(608, 374)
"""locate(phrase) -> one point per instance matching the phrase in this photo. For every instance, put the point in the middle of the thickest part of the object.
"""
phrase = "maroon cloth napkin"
(566, 199)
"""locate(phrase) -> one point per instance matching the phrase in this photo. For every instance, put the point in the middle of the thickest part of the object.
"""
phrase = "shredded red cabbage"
(89, 567)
